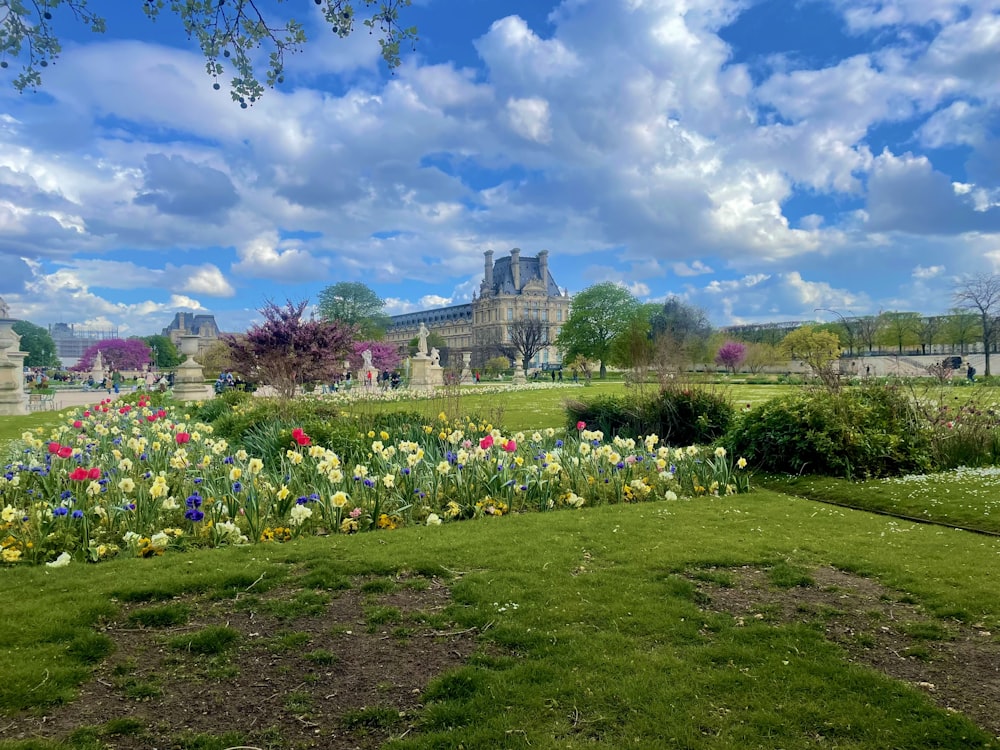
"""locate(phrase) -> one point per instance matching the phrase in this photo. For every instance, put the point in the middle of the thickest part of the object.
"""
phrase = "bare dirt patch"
(958, 666)
(341, 669)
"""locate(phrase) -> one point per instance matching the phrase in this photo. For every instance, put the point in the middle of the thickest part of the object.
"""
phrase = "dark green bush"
(870, 431)
(680, 416)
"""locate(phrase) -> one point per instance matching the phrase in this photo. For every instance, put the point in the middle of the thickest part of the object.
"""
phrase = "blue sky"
(762, 160)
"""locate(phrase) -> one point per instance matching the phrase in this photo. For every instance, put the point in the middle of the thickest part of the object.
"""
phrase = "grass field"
(756, 621)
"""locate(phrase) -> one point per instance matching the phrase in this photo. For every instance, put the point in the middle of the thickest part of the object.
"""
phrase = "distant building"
(513, 288)
(72, 340)
(188, 324)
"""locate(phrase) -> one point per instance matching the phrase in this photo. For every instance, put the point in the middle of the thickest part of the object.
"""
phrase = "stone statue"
(4, 309)
(435, 356)
(366, 355)
(98, 363)
(422, 341)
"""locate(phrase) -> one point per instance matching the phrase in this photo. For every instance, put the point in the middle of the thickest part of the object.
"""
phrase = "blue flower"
(194, 500)
(198, 480)
(368, 482)
(77, 513)
(227, 460)
(559, 443)
(143, 457)
(194, 515)
(301, 500)
(65, 495)
(60, 511)
(237, 488)
(405, 471)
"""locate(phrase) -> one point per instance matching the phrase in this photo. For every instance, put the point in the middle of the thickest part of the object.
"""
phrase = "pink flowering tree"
(384, 356)
(731, 355)
(286, 351)
(116, 354)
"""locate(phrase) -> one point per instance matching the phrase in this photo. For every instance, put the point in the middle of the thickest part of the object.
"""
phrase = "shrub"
(870, 431)
(680, 416)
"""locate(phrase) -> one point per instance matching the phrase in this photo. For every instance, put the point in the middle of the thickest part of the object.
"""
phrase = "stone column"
(189, 380)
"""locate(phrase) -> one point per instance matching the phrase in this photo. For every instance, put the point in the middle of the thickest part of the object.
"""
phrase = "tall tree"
(165, 354)
(981, 294)
(598, 314)
(900, 329)
(929, 331)
(961, 329)
(354, 304)
(868, 330)
(286, 351)
(230, 33)
(634, 347)
(38, 343)
(682, 332)
(525, 338)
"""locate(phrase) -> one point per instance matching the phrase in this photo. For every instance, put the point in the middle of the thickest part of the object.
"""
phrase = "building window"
(545, 314)
(510, 313)
(559, 315)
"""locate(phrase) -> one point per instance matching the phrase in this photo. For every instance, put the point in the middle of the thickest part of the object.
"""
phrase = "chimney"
(515, 267)
(543, 269)
(488, 272)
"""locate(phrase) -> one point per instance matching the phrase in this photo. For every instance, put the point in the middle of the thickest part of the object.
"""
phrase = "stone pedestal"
(13, 399)
(424, 374)
(466, 376)
(189, 380)
(519, 377)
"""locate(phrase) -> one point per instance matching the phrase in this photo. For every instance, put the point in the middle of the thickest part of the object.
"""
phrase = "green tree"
(38, 343)
(598, 315)
(165, 354)
(981, 295)
(961, 328)
(868, 330)
(230, 33)
(682, 334)
(354, 304)
(900, 329)
(818, 349)
(216, 358)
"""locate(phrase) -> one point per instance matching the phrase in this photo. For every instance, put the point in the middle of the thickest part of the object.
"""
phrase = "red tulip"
(581, 425)
(79, 474)
(486, 443)
(78, 424)
(510, 446)
(54, 447)
(94, 473)
(65, 452)
(182, 437)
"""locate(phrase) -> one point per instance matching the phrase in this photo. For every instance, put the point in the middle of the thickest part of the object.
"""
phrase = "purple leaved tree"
(731, 355)
(116, 354)
(286, 351)
(384, 356)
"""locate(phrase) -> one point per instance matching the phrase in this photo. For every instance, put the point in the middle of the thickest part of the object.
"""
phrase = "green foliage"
(38, 343)
(165, 354)
(599, 314)
(230, 35)
(354, 304)
(870, 431)
(679, 416)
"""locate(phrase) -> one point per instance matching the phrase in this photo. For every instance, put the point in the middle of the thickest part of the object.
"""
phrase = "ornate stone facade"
(187, 324)
(513, 288)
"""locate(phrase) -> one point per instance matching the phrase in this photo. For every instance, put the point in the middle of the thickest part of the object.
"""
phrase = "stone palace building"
(513, 287)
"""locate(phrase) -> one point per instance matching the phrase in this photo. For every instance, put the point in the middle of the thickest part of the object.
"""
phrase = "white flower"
(433, 520)
(720, 452)
(299, 515)
(159, 540)
(60, 562)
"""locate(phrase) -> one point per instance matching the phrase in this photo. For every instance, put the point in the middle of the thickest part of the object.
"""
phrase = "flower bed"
(137, 480)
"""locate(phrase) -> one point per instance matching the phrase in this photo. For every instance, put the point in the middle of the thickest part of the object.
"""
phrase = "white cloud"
(930, 272)
(695, 268)
(206, 279)
(529, 118)
(267, 258)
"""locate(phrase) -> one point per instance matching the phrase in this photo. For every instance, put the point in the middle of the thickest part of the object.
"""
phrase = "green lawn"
(591, 631)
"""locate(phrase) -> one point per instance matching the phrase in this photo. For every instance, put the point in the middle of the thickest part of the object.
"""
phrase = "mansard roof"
(503, 276)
